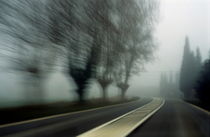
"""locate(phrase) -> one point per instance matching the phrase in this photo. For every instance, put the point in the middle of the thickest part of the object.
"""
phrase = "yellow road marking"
(125, 124)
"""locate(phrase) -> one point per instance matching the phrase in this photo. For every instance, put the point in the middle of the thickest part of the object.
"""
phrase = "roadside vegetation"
(195, 77)
(105, 40)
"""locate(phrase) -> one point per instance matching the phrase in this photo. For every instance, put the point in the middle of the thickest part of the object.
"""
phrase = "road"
(70, 125)
(175, 118)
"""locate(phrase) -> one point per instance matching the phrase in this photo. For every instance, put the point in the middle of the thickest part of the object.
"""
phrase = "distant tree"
(169, 85)
(163, 81)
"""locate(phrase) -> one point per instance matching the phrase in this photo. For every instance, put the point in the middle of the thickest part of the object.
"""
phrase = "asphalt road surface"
(70, 125)
(175, 119)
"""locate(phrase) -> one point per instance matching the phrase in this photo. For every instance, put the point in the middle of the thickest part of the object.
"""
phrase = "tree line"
(202, 86)
(105, 40)
(195, 76)
(190, 69)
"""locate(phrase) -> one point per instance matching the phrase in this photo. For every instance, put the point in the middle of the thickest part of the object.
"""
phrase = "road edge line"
(199, 108)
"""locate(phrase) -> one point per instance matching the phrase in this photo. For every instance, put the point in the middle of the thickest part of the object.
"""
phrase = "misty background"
(178, 18)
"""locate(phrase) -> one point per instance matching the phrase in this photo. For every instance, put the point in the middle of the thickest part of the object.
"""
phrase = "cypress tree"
(203, 86)
(190, 70)
(185, 72)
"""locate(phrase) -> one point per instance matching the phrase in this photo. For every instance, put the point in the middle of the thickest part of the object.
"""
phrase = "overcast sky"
(178, 18)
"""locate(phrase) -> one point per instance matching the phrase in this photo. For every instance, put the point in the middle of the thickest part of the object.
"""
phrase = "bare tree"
(136, 21)
(108, 47)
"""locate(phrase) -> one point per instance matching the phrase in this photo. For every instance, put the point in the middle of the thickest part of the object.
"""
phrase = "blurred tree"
(97, 37)
(26, 24)
(70, 27)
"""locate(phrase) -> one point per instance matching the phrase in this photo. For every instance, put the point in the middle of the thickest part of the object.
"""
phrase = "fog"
(178, 19)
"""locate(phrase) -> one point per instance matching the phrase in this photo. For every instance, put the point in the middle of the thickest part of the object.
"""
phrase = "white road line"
(125, 124)
(201, 109)
(61, 115)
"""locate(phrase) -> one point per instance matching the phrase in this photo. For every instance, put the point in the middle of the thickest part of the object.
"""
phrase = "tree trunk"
(104, 85)
(81, 92)
(104, 92)
(81, 96)
(123, 88)
(123, 91)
